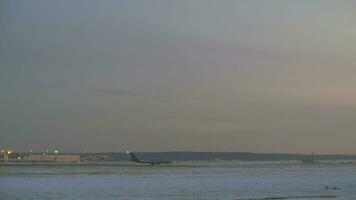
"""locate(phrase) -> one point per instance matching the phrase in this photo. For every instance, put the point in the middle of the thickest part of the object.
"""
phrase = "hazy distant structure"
(310, 160)
(63, 158)
(5, 155)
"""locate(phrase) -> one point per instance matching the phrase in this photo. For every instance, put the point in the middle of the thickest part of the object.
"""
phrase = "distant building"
(3, 157)
(67, 158)
(62, 158)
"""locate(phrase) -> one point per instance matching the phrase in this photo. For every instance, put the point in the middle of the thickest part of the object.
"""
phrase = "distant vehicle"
(134, 158)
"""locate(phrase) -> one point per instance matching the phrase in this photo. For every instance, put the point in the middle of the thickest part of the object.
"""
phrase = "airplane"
(134, 158)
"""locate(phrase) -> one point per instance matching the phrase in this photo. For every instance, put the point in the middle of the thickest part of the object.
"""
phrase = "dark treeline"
(207, 156)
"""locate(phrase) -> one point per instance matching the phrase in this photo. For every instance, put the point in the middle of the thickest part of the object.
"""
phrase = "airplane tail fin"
(133, 157)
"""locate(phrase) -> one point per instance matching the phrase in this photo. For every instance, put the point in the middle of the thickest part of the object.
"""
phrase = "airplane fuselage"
(134, 158)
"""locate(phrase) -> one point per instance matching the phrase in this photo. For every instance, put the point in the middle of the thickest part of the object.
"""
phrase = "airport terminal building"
(60, 158)
(9, 156)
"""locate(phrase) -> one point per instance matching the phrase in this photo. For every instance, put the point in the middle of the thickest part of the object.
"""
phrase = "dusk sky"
(246, 76)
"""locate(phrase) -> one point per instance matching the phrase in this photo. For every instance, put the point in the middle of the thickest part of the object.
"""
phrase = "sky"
(178, 75)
